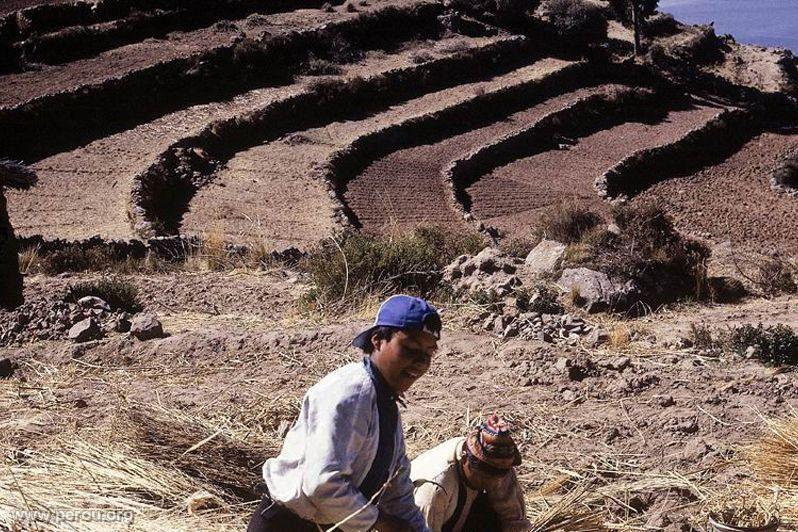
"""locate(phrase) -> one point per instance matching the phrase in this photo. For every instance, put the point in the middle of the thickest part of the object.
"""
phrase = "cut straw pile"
(775, 460)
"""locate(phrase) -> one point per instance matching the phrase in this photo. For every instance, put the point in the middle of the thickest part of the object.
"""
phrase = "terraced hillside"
(277, 123)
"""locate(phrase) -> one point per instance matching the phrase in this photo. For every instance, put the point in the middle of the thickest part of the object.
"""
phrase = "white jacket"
(329, 451)
(435, 473)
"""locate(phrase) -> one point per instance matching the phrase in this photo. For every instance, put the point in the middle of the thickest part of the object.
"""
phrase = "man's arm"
(337, 431)
(507, 500)
(398, 499)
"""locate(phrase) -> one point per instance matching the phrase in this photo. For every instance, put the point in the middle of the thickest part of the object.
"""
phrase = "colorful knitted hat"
(493, 445)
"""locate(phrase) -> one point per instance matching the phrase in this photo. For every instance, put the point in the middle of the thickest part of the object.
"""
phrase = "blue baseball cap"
(403, 312)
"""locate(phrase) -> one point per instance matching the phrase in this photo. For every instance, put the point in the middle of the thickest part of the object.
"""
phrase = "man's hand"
(389, 523)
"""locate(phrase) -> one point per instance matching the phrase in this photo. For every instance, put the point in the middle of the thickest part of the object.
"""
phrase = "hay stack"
(16, 176)
(775, 460)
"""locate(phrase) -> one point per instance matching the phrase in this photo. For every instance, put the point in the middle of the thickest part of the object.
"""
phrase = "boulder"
(596, 291)
(146, 326)
(545, 258)
(724, 289)
(85, 330)
(7, 368)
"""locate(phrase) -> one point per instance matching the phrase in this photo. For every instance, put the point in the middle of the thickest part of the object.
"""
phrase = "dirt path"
(732, 201)
(275, 194)
(512, 197)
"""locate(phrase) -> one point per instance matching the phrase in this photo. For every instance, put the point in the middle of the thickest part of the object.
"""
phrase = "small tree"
(19, 177)
(634, 12)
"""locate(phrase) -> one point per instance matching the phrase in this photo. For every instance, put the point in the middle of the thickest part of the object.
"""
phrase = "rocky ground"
(656, 427)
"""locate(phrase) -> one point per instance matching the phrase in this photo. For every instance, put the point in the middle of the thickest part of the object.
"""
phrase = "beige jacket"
(435, 475)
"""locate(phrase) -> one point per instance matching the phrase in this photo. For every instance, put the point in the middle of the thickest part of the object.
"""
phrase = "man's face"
(404, 358)
(478, 479)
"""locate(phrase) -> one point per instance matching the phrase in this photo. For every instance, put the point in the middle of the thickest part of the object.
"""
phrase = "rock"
(85, 330)
(596, 337)
(665, 401)
(596, 291)
(93, 303)
(146, 326)
(545, 258)
(487, 260)
(687, 426)
(7, 368)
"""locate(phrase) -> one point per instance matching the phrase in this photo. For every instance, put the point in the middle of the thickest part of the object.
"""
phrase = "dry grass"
(774, 459)
(29, 260)
(620, 336)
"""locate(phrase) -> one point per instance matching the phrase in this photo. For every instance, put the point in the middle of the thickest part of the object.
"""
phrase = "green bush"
(355, 265)
(648, 250)
(118, 293)
(775, 344)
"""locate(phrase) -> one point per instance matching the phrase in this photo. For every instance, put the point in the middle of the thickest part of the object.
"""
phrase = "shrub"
(648, 250)
(702, 337)
(320, 67)
(118, 293)
(519, 247)
(774, 277)
(576, 22)
(775, 344)
(421, 57)
(541, 299)
(568, 223)
(355, 265)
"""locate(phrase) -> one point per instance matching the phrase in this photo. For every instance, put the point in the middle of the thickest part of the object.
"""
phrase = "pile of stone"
(559, 328)
(489, 271)
(90, 318)
(536, 315)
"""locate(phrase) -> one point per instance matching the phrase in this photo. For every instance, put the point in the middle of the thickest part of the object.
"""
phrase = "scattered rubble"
(490, 270)
(90, 318)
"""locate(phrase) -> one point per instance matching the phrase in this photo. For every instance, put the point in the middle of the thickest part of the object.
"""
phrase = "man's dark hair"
(382, 333)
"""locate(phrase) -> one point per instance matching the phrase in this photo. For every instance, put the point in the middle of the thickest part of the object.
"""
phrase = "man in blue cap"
(344, 461)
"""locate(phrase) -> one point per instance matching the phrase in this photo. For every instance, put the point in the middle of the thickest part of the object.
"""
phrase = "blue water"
(763, 22)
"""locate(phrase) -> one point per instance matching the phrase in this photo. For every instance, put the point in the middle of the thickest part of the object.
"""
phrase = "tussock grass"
(352, 267)
(118, 293)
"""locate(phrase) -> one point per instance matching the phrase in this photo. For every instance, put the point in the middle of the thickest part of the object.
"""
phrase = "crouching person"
(348, 442)
(469, 483)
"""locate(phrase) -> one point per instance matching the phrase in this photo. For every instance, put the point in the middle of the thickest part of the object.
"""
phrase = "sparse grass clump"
(353, 265)
(568, 223)
(320, 67)
(773, 345)
(118, 293)
(774, 277)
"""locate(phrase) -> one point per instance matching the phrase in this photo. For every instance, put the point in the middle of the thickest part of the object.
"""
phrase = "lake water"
(764, 22)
